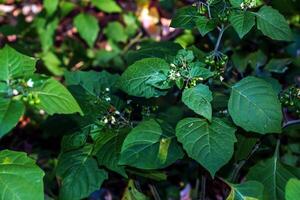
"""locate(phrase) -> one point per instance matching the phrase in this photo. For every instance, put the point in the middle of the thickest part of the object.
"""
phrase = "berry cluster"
(216, 62)
(224, 16)
(290, 98)
(31, 98)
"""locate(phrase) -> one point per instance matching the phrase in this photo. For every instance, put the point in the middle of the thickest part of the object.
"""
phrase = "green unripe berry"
(25, 99)
(31, 102)
(37, 101)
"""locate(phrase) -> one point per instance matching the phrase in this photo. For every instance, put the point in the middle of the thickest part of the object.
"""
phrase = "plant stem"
(240, 165)
(154, 192)
(203, 187)
(219, 38)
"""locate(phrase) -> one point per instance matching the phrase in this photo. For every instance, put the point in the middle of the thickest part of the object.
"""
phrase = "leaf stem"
(154, 192)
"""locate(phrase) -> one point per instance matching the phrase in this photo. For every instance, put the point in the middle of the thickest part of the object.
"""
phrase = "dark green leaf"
(254, 106)
(198, 99)
(205, 25)
(273, 24)
(185, 18)
(250, 190)
(80, 174)
(211, 144)
(135, 80)
(242, 22)
(150, 145)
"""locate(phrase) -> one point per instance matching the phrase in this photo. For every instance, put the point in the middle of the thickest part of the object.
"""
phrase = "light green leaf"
(53, 64)
(135, 80)
(198, 99)
(108, 148)
(109, 6)
(210, 144)
(185, 18)
(205, 25)
(150, 145)
(242, 22)
(20, 177)
(250, 190)
(292, 189)
(14, 64)
(56, 99)
(46, 30)
(254, 106)
(10, 113)
(115, 31)
(274, 176)
(80, 174)
(273, 24)
(50, 6)
(132, 193)
(88, 27)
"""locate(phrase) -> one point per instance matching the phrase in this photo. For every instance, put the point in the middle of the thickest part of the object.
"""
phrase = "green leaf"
(150, 145)
(254, 106)
(10, 113)
(88, 27)
(136, 79)
(53, 64)
(132, 193)
(109, 6)
(210, 144)
(244, 147)
(250, 190)
(80, 174)
(56, 99)
(273, 24)
(108, 148)
(242, 22)
(278, 65)
(205, 25)
(93, 82)
(236, 3)
(185, 18)
(198, 99)
(50, 6)
(115, 31)
(165, 50)
(274, 176)
(292, 189)
(197, 70)
(14, 64)
(46, 30)
(20, 177)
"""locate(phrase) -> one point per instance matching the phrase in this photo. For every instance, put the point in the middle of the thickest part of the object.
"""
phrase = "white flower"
(221, 78)
(42, 112)
(15, 92)
(30, 83)
(107, 89)
(113, 120)
(107, 99)
(117, 112)
(172, 65)
(105, 120)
